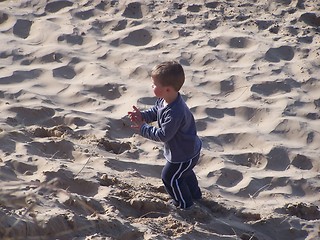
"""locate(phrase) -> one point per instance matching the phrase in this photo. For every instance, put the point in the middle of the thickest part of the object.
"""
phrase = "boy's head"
(169, 74)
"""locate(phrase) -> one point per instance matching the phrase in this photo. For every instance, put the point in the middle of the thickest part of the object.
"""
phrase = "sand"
(72, 168)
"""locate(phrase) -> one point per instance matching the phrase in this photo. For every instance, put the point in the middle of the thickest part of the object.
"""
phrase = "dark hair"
(169, 74)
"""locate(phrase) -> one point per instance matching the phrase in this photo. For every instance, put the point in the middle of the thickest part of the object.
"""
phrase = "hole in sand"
(114, 146)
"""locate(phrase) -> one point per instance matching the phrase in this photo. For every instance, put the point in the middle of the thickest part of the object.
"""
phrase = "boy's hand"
(136, 117)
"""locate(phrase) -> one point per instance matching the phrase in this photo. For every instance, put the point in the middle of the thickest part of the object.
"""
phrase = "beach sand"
(72, 168)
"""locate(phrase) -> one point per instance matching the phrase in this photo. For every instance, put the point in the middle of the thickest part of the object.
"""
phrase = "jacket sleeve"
(150, 115)
(168, 129)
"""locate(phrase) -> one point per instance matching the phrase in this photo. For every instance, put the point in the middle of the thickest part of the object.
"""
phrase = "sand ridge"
(71, 166)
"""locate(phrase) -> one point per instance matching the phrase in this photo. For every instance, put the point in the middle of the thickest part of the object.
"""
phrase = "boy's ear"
(169, 89)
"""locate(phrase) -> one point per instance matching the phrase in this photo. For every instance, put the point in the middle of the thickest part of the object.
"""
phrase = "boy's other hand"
(136, 117)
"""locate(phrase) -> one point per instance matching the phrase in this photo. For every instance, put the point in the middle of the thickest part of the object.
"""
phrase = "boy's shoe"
(174, 203)
(177, 205)
(188, 208)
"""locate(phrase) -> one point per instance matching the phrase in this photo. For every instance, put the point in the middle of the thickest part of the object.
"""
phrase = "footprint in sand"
(212, 5)
(228, 85)
(51, 57)
(278, 159)
(311, 19)
(7, 174)
(32, 116)
(211, 25)
(269, 88)
(109, 91)
(133, 10)
(130, 202)
(54, 149)
(264, 24)
(219, 112)
(57, 131)
(66, 72)
(240, 42)
(248, 159)
(229, 177)
(83, 205)
(84, 15)
(303, 210)
(67, 180)
(72, 39)
(285, 53)
(3, 17)
(56, 6)
(302, 162)
(194, 8)
(20, 76)
(120, 25)
(146, 101)
(254, 187)
(22, 168)
(22, 28)
(140, 37)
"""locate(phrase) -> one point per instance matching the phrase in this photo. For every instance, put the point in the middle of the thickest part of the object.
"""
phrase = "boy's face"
(158, 90)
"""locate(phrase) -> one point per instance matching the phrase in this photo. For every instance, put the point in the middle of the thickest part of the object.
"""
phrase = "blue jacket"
(177, 129)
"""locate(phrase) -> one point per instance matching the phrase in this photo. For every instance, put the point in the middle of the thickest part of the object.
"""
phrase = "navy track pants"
(181, 182)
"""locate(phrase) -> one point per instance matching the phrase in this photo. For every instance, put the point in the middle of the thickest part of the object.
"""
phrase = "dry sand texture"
(71, 167)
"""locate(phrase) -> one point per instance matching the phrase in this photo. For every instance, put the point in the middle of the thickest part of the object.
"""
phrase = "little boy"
(176, 129)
